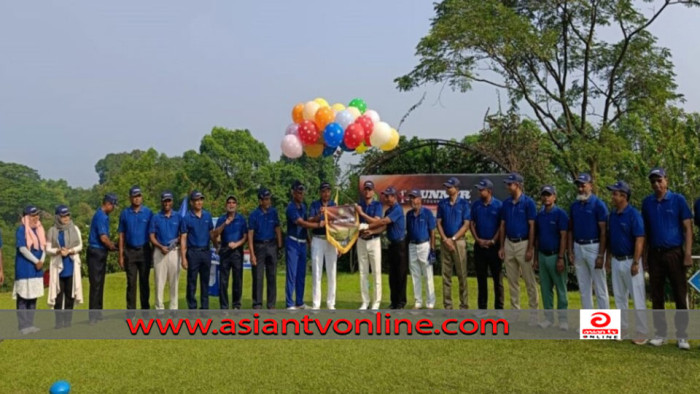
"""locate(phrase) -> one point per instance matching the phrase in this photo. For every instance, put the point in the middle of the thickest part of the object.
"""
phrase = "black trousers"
(198, 263)
(487, 260)
(231, 263)
(137, 264)
(266, 255)
(398, 271)
(668, 264)
(25, 312)
(97, 267)
(64, 302)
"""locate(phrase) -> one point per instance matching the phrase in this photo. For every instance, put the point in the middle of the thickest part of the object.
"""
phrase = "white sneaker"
(292, 308)
(545, 324)
(363, 307)
(302, 306)
(315, 308)
(375, 307)
(564, 326)
(417, 306)
(657, 341)
(430, 306)
(331, 308)
(25, 331)
(34, 329)
(683, 344)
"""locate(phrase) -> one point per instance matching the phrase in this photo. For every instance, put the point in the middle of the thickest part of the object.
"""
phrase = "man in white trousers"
(420, 227)
(164, 232)
(369, 247)
(322, 250)
(587, 241)
(626, 235)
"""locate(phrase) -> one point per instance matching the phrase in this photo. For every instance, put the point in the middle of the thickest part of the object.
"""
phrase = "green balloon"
(359, 104)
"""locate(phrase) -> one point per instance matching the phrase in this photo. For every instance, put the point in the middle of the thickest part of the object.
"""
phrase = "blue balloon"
(329, 151)
(333, 134)
(60, 387)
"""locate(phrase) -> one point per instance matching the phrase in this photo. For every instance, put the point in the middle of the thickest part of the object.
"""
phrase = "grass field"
(340, 365)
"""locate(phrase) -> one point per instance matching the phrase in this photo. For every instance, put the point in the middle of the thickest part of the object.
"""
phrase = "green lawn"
(340, 365)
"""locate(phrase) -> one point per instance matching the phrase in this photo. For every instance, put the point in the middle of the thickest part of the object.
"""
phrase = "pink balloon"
(372, 114)
(292, 129)
(292, 147)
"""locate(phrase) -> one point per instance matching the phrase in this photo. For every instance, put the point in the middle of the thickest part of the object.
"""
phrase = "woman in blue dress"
(29, 261)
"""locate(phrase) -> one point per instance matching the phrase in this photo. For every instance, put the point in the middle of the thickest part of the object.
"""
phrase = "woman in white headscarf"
(63, 245)
(29, 263)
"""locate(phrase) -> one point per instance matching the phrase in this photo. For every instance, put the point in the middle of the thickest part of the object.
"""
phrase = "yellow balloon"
(361, 148)
(393, 141)
(337, 107)
(354, 111)
(314, 150)
(321, 101)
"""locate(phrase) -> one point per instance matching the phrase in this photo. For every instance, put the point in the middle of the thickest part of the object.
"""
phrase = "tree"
(553, 56)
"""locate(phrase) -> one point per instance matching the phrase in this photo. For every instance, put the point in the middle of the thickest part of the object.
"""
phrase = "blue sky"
(81, 79)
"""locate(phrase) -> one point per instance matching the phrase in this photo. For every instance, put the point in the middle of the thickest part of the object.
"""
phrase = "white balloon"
(344, 118)
(292, 147)
(355, 112)
(372, 115)
(292, 129)
(310, 109)
(381, 134)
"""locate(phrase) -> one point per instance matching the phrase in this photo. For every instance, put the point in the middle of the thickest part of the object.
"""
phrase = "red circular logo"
(600, 319)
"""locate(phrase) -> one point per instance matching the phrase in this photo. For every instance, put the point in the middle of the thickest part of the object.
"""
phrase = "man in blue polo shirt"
(164, 232)
(485, 226)
(369, 247)
(551, 225)
(322, 250)
(420, 230)
(453, 216)
(395, 223)
(517, 233)
(667, 223)
(295, 248)
(587, 242)
(233, 230)
(626, 235)
(265, 237)
(196, 232)
(98, 246)
(134, 248)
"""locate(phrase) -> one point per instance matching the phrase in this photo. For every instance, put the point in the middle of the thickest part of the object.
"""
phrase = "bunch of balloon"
(320, 129)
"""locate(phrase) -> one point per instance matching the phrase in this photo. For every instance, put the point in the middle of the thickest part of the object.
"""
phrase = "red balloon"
(366, 123)
(308, 132)
(354, 135)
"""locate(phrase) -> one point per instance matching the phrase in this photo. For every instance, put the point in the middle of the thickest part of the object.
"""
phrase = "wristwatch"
(453, 238)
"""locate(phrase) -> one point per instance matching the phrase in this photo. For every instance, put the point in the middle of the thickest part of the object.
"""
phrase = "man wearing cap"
(587, 242)
(164, 232)
(395, 223)
(485, 226)
(196, 231)
(551, 226)
(626, 235)
(669, 236)
(369, 247)
(134, 248)
(453, 216)
(98, 246)
(265, 237)
(322, 250)
(233, 230)
(420, 229)
(517, 233)
(295, 248)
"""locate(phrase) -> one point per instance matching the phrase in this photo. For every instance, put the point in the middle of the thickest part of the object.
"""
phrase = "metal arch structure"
(434, 143)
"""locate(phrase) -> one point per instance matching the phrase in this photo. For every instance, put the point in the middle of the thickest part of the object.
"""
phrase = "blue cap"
(31, 210)
(264, 193)
(389, 191)
(62, 210)
(484, 183)
(369, 184)
(166, 195)
(549, 189)
(134, 191)
(657, 171)
(297, 186)
(414, 193)
(514, 177)
(583, 177)
(620, 186)
(110, 198)
(196, 195)
(452, 182)
(325, 185)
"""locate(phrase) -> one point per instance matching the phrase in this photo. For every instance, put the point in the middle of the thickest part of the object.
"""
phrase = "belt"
(664, 250)
(267, 241)
(516, 240)
(549, 252)
(196, 249)
(301, 241)
(398, 241)
(419, 242)
(96, 247)
(140, 248)
(587, 241)
(623, 258)
(371, 237)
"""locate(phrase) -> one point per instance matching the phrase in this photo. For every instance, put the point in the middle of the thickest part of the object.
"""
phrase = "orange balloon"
(314, 150)
(298, 113)
(323, 117)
